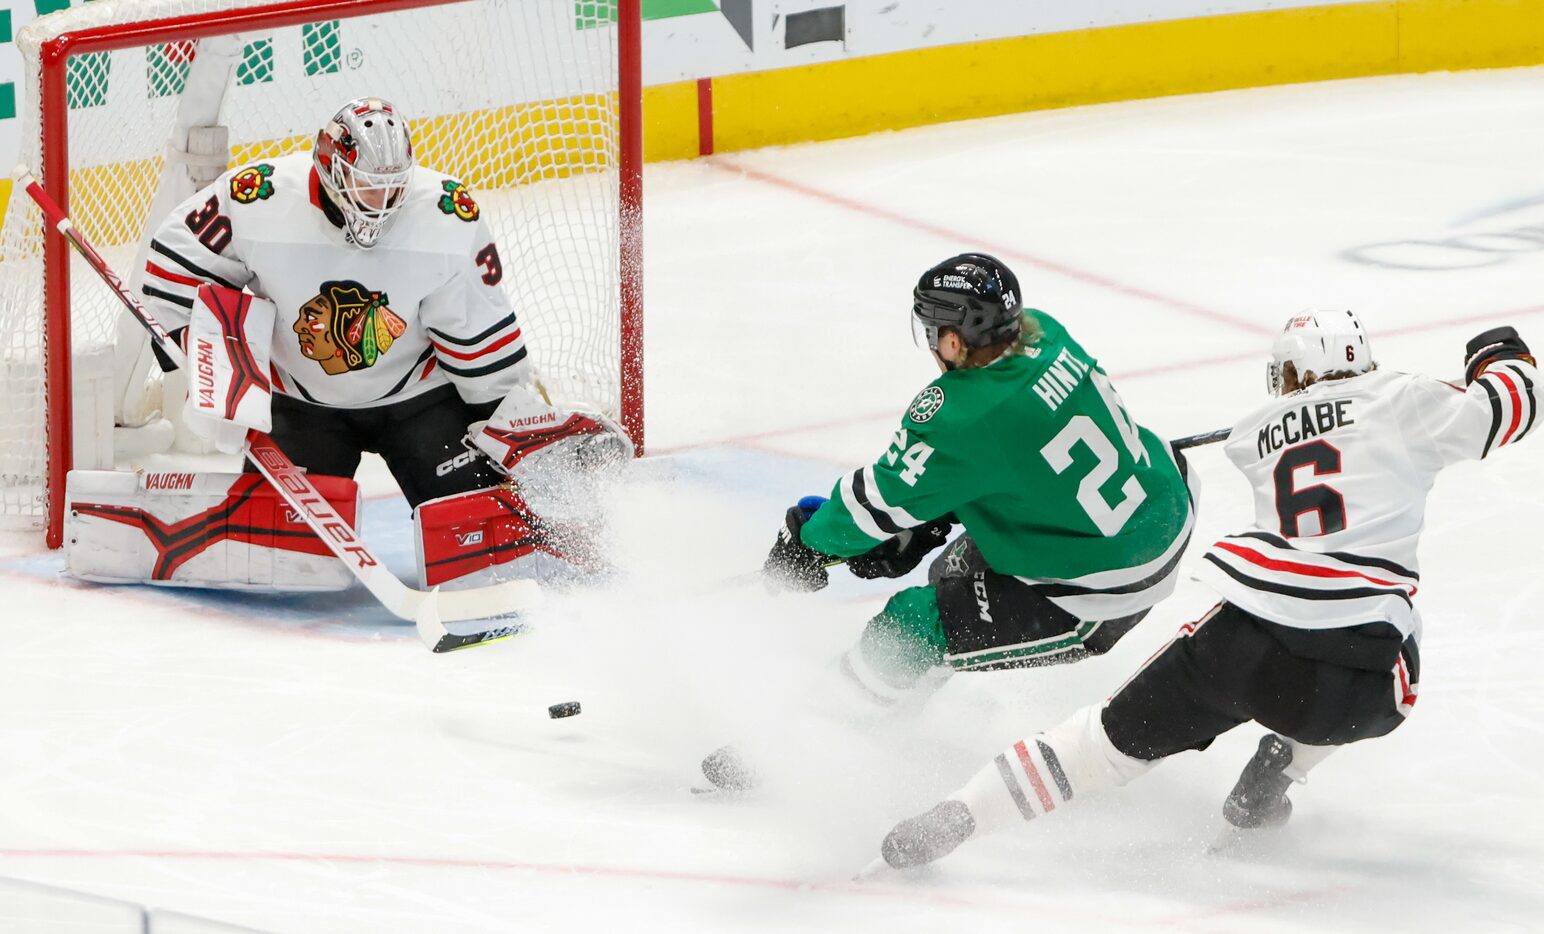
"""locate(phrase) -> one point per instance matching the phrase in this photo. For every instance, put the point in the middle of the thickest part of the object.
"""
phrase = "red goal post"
(535, 105)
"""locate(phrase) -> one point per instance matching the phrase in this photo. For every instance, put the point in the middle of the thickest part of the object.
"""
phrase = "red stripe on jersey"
(428, 368)
(1517, 403)
(1034, 776)
(477, 353)
(1307, 570)
(1407, 696)
(170, 276)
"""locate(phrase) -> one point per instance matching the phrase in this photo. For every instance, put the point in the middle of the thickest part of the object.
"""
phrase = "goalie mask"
(364, 159)
(972, 293)
(1322, 343)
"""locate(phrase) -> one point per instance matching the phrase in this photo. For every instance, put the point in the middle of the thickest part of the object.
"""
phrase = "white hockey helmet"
(1321, 342)
(364, 158)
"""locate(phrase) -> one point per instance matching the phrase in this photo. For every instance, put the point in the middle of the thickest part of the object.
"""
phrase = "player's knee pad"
(228, 531)
(1038, 775)
(898, 646)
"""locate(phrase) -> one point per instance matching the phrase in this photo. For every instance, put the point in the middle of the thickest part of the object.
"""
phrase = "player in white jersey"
(390, 330)
(1316, 636)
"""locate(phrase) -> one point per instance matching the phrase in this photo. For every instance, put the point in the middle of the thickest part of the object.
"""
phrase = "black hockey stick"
(1205, 437)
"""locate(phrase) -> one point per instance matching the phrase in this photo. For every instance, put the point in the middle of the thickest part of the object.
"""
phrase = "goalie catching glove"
(797, 566)
(1493, 346)
(526, 423)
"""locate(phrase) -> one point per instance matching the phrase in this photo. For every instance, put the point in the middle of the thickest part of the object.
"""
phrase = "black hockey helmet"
(973, 293)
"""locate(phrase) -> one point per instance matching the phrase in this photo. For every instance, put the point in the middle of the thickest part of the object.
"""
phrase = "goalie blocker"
(220, 530)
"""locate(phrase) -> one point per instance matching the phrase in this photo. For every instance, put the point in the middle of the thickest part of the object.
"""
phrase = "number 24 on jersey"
(914, 457)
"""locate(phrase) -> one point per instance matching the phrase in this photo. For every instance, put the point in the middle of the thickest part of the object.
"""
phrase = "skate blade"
(873, 870)
(1229, 840)
(1243, 841)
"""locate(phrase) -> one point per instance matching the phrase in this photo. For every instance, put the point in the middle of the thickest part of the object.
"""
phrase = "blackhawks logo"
(252, 183)
(347, 327)
(458, 201)
(926, 405)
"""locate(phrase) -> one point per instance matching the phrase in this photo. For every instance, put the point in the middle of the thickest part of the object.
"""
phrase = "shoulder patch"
(252, 183)
(458, 201)
(926, 405)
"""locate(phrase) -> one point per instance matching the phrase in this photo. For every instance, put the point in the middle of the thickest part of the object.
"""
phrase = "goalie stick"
(426, 609)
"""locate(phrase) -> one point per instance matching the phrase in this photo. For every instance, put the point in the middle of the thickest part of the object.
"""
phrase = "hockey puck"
(565, 709)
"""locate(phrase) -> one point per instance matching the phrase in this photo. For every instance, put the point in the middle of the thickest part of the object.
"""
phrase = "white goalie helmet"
(1321, 342)
(364, 158)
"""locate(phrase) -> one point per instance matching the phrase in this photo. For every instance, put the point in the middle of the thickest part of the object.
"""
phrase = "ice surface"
(302, 764)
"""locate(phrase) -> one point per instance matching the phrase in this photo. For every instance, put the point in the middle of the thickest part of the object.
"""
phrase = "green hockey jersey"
(1038, 458)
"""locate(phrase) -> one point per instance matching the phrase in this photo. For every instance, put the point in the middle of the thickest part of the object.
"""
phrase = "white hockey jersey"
(1340, 473)
(355, 327)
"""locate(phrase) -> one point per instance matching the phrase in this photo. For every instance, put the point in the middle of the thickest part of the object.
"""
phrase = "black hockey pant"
(420, 440)
(1320, 687)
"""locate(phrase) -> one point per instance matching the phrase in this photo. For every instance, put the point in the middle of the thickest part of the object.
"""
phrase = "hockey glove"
(903, 551)
(791, 563)
(1491, 347)
(567, 439)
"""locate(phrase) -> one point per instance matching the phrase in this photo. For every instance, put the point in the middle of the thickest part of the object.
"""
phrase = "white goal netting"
(516, 98)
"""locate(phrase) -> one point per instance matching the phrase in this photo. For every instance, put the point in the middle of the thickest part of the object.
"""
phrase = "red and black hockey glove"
(1490, 347)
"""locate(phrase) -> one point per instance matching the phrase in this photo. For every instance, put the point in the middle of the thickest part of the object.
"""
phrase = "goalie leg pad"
(466, 533)
(228, 531)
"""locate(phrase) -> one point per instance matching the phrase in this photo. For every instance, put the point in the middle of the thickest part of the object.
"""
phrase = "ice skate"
(1259, 800)
(926, 837)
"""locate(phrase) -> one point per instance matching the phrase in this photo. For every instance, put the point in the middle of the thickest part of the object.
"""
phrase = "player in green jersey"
(1075, 516)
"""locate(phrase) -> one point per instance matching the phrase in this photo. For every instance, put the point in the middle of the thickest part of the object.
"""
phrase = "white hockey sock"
(1304, 757)
(1037, 775)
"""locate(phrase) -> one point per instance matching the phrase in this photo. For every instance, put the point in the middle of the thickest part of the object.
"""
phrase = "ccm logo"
(460, 460)
(468, 539)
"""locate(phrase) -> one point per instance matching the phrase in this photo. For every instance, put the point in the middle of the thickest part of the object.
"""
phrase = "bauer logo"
(926, 405)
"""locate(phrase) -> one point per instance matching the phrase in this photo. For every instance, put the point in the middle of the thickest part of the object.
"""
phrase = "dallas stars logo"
(927, 403)
(252, 183)
(458, 201)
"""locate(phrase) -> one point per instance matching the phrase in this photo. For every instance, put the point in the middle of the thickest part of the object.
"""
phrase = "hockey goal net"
(130, 107)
